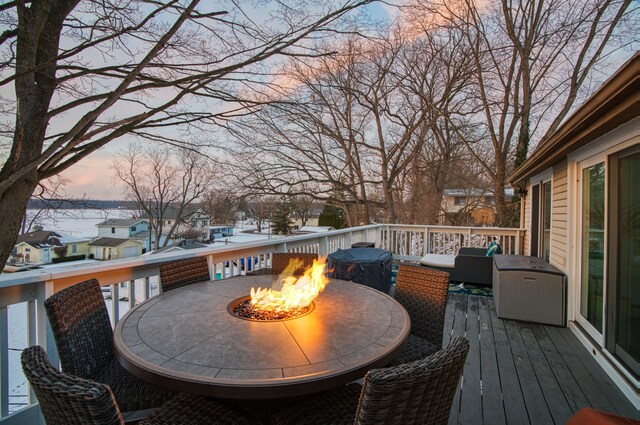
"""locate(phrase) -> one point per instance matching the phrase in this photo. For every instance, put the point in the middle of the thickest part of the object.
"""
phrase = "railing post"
(323, 246)
(43, 328)
(348, 240)
(212, 267)
(4, 362)
(426, 246)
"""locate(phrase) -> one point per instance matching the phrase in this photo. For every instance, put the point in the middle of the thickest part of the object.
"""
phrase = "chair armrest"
(467, 250)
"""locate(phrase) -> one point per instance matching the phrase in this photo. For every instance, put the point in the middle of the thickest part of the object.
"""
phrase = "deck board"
(523, 373)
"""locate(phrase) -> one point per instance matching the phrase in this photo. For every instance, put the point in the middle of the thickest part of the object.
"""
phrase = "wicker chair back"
(177, 274)
(280, 260)
(81, 327)
(65, 399)
(419, 392)
(423, 293)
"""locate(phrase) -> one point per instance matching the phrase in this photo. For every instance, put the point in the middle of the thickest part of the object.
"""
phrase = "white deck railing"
(128, 282)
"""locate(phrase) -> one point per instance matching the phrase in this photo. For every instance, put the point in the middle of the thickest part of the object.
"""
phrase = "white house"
(122, 227)
(581, 210)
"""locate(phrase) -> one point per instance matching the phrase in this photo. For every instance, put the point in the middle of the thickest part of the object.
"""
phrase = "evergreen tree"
(331, 216)
(280, 221)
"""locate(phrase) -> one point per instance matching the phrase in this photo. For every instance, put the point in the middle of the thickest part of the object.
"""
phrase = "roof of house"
(110, 242)
(120, 222)
(181, 245)
(66, 239)
(616, 102)
(40, 239)
(144, 235)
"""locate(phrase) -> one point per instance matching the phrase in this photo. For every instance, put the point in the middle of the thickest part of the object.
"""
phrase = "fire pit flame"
(292, 293)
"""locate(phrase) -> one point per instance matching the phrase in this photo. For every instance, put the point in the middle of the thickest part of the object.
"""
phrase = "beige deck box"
(529, 289)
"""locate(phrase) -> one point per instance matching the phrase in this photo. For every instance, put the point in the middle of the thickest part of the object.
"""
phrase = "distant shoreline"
(81, 204)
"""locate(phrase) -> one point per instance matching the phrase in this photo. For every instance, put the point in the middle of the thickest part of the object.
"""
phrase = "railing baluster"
(132, 293)
(147, 288)
(115, 303)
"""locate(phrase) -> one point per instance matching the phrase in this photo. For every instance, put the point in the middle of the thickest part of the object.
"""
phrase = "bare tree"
(532, 59)
(87, 72)
(161, 179)
(347, 131)
(260, 208)
(303, 207)
(49, 198)
(222, 205)
(437, 69)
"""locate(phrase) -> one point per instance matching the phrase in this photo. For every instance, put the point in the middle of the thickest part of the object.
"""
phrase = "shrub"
(69, 258)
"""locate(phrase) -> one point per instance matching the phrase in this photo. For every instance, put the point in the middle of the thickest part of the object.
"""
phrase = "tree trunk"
(498, 190)
(13, 205)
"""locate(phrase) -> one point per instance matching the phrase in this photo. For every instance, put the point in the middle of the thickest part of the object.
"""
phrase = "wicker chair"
(177, 274)
(84, 338)
(419, 392)
(280, 260)
(423, 292)
(68, 400)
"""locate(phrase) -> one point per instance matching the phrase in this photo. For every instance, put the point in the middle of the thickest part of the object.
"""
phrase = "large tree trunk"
(498, 189)
(13, 206)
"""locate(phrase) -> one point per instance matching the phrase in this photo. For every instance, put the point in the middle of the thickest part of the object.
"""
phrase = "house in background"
(191, 219)
(76, 245)
(312, 218)
(581, 211)
(122, 227)
(106, 248)
(217, 232)
(38, 246)
(470, 207)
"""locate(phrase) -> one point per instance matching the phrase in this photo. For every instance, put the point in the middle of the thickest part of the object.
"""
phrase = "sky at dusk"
(92, 177)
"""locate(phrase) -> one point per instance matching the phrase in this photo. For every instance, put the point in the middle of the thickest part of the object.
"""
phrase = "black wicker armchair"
(419, 392)
(177, 274)
(69, 400)
(84, 338)
(280, 260)
(423, 293)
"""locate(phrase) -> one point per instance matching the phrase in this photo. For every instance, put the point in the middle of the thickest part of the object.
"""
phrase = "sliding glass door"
(623, 329)
(593, 247)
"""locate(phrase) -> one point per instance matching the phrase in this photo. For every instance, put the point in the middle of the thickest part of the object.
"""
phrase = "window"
(133, 228)
(541, 219)
(74, 248)
(460, 200)
(113, 230)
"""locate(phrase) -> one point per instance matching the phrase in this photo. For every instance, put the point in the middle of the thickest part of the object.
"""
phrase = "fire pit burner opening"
(242, 308)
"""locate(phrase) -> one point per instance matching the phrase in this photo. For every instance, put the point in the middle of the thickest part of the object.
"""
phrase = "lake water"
(78, 222)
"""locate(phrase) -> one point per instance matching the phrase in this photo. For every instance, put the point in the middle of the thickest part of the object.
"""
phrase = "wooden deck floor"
(524, 373)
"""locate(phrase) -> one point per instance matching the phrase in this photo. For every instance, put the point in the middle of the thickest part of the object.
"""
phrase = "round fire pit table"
(188, 340)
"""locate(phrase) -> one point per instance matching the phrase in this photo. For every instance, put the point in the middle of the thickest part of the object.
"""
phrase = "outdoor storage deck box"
(529, 289)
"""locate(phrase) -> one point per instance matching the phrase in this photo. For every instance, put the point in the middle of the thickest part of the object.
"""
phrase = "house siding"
(559, 214)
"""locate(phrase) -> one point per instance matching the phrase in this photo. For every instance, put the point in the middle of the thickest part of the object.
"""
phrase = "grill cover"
(367, 266)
